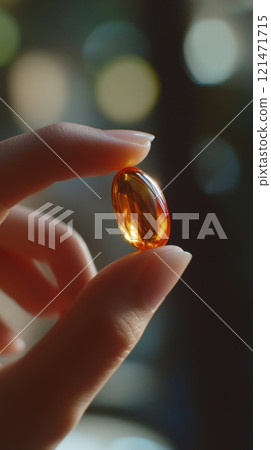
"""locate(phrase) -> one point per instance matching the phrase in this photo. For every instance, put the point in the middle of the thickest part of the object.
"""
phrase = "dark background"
(191, 375)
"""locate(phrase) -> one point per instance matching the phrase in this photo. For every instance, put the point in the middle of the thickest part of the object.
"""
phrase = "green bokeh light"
(9, 37)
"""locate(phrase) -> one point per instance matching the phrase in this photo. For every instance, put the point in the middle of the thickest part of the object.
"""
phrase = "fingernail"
(164, 270)
(138, 137)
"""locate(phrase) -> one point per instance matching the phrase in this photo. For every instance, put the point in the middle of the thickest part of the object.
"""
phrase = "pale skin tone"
(100, 316)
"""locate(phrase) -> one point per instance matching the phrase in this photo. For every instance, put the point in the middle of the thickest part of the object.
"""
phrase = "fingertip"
(161, 272)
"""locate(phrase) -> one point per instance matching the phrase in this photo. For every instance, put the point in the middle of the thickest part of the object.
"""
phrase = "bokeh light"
(217, 169)
(135, 443)
(211, 51)
(223, 6)
(102, 432)
(112, 40)
(39, 88)
(9, 37)
(127, 89)
(134, 384)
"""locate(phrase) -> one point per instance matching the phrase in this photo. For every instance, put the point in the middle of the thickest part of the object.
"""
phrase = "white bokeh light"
(39, 87)
(101, 432)
(211, 51)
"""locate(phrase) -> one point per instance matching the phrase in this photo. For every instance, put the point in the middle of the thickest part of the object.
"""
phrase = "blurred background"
(181, 70)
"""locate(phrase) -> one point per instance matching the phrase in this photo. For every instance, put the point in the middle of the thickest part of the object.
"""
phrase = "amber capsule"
(141, 209)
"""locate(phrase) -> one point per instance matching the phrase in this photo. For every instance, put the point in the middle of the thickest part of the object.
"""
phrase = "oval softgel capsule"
(141, 209)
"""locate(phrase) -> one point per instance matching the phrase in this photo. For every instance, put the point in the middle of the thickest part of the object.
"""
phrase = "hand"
(101, 316)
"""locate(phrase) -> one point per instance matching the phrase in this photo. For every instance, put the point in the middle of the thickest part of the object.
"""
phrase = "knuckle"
(58, 128)
(54, 131)
(125, 331)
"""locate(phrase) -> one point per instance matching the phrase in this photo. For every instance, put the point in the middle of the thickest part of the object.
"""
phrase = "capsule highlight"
(141, 209)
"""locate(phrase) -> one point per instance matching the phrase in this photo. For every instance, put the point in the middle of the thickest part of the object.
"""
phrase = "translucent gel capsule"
(141, 209)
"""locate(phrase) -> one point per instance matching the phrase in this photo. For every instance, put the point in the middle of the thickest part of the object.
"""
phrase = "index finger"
(32, 161)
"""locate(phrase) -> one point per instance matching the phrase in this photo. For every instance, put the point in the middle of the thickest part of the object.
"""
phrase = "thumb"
(89, 342)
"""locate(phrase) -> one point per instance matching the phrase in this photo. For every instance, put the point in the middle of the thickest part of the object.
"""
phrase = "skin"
(100, 316)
